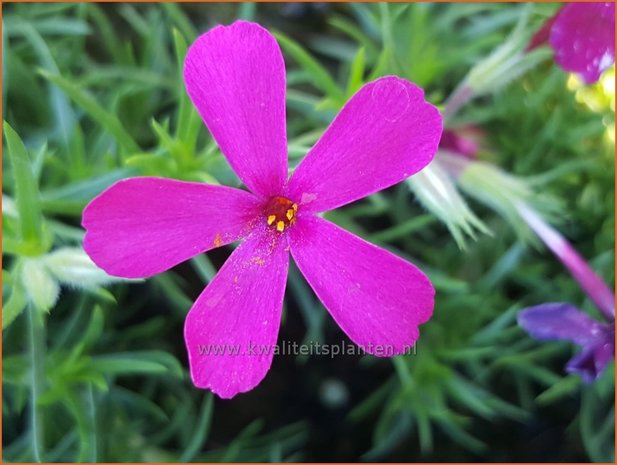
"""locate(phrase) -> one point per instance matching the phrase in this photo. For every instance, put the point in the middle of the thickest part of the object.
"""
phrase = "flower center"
(280, 213)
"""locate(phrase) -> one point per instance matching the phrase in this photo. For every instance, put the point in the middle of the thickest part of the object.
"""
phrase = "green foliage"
(93, 93)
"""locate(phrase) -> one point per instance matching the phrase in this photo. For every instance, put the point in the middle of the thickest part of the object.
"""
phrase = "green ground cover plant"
(95, 367)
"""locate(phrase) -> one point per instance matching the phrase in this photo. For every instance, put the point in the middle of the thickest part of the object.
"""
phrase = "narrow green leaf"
(403, 229)
(247, 11)
(15, 304)
(180, 19)
(349, 28)
(63, 113)
(93, 332)
(184, 110)
(566, 387)
(106, 34)
(108, 120)
(26, 190)
(71, 198)
(152, 164)
(462, 437)
(171, 145)
(84, 412)
(321, 78)
(356, 72)
(381, 66)
(204, 267)
(132, 363)
(201, 431)
(60, 26)
(36, 343)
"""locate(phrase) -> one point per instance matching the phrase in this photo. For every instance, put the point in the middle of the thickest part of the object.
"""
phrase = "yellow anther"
(280, 213)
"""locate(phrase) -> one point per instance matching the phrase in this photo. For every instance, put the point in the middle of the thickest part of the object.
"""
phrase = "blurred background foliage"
(92, 93)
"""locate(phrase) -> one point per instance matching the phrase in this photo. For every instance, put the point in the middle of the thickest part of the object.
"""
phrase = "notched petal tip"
(376, 297)
(239, 29)
(385, 133)
(235, 77)
(227, 390)
(231, 330)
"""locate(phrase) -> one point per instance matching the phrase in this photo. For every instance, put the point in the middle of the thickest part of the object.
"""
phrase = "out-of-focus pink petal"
(142, 226)
(560, 321)
(590, 282)
(377, 298)
(461, 142)
(583, 37)
(542, 35)
(385, 133)
(235, 76)
(231, 330)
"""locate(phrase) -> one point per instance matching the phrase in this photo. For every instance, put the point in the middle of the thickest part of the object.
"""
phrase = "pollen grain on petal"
(259, 261)
(218, 240)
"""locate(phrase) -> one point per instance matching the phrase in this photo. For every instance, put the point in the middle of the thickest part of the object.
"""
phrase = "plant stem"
(36, 333)
(461, 95)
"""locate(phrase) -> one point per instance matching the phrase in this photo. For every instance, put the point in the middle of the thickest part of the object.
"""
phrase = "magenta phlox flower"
(583, 37)
(235, 76)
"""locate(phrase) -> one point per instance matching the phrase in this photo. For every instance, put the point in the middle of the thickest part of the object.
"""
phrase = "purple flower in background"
(235, 76)
(583, 37)
(562, 321)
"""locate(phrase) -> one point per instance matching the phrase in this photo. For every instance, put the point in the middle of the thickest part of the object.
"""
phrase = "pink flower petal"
(142, 226)
(583, 37)
(464, 140)
(232, 329)
(385, 133)
(377, 298)
(235, 76)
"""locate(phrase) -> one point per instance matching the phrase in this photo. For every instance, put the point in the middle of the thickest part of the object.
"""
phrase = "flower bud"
(72, 266)
(42, 289)
(437, 192)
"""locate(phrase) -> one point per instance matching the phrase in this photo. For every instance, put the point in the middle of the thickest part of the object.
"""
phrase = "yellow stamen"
(280, 213)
